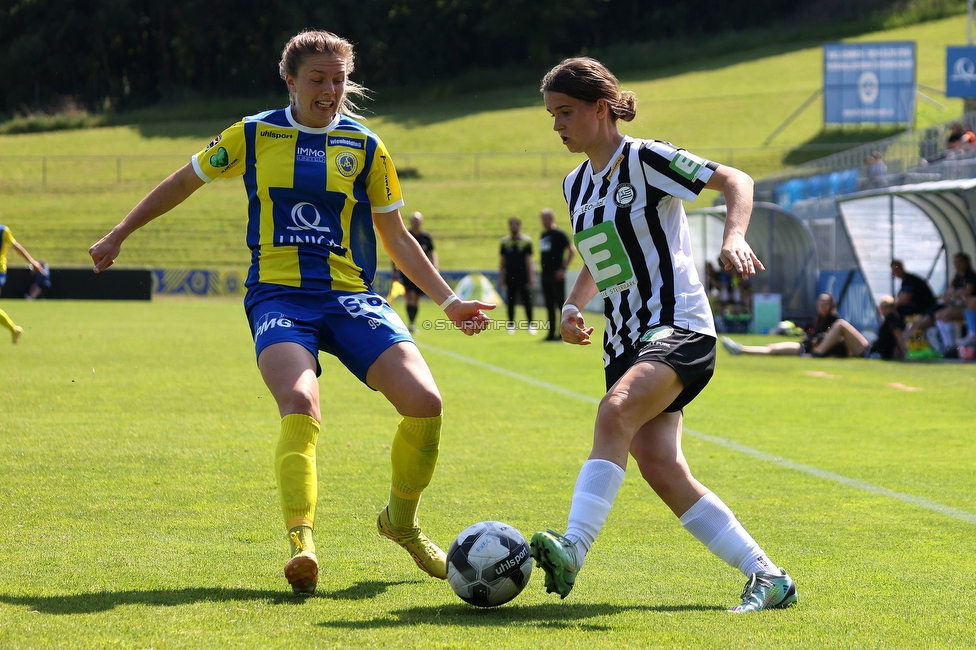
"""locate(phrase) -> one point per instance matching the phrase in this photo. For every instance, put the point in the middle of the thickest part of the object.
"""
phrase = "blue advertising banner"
(869, 83)
(960, 71)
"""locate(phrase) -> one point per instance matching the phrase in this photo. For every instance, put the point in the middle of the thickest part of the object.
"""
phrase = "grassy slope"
(138, 503)
(714, 108)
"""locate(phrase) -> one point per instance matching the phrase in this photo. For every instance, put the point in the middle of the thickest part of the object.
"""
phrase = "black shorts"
(409, 286)
(690, 354)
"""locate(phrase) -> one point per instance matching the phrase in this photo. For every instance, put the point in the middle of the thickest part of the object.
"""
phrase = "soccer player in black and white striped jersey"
(629, 226)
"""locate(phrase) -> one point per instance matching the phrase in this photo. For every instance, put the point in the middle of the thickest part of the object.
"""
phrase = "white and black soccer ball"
(488, 564)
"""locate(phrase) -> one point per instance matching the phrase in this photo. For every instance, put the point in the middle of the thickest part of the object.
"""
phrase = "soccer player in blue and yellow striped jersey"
(7, 241)
(319, 186)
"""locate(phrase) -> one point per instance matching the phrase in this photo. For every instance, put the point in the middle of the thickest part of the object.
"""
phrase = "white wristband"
(450, 299)
(570, 307)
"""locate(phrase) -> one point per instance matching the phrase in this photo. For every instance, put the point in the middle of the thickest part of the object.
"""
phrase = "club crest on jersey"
(624, 195)
(347, 164)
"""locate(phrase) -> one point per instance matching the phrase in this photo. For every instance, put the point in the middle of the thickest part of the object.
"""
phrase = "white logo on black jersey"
(624, 195)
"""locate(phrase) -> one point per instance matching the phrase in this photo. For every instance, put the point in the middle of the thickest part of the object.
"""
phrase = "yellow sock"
(295, 469)
(414, 457)
(5, 321)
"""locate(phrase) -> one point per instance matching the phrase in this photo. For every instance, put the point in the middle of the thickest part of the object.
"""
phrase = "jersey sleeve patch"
(678, 172)
(223, 156)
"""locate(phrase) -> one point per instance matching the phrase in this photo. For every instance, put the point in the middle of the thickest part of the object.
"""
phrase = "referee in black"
(557, 251)
(515, 270)
(412, 291)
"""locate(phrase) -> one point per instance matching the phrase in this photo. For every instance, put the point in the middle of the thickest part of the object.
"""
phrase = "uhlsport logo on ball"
(488, 564)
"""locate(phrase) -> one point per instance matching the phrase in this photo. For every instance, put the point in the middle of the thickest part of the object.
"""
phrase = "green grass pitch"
(138, 506)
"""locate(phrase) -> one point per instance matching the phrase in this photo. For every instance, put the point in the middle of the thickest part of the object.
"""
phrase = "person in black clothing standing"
(412, 291)
(515, 268)
(557, 251)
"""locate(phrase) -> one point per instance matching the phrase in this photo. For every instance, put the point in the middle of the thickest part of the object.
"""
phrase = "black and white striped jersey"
(630, 228)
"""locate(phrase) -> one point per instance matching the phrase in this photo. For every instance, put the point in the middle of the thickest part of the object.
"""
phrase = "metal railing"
(56, 171)
(913, 156)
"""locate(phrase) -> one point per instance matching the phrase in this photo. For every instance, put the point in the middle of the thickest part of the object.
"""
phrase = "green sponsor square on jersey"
(686, 164)
(605, 257)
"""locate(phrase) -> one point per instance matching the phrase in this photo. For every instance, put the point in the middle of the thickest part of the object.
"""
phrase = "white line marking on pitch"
(961, 515)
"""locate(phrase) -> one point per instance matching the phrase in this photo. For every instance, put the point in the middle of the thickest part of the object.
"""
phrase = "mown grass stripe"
(954, 513)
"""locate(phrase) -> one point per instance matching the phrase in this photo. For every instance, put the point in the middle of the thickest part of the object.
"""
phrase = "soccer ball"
(488, 564)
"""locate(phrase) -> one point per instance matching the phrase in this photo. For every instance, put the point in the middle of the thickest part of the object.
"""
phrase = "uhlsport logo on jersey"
(271, 321)
(605, 257)
(277, 135)
(686, 164)
(624, 195)
(347, 164)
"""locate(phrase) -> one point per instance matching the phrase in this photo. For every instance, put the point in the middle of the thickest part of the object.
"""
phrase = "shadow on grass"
(553, 615)
(101, 601)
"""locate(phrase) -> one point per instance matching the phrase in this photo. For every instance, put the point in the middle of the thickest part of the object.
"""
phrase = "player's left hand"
(469, 315)
(738, 254)
(104, 252)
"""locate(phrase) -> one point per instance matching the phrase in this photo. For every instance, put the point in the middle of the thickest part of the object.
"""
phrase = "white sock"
(714, 525)
(596, 488)
(948, 333)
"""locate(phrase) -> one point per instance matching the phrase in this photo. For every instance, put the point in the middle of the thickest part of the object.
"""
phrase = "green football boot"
(556, 555)
(766, 591)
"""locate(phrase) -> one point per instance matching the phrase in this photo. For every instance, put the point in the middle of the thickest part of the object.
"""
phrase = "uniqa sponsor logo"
(964, 70)
(305, 220)
(309, 239)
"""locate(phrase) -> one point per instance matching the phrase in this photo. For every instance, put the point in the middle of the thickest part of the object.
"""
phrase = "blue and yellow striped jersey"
(311, 194)
(6, 238)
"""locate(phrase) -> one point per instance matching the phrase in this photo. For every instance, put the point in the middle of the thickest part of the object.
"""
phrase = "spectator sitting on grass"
(829, 336)
(890, 343)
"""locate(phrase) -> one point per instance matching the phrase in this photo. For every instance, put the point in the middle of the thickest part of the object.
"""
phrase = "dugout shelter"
(782, 242)
(852, 239)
